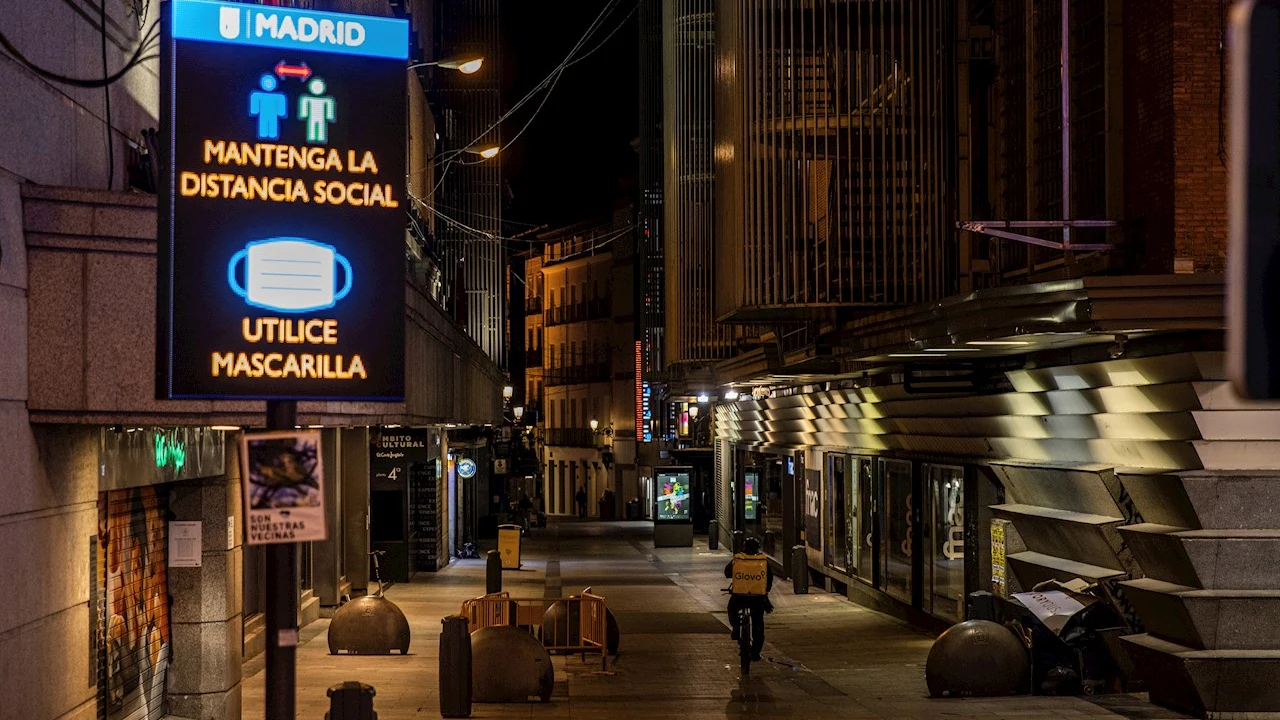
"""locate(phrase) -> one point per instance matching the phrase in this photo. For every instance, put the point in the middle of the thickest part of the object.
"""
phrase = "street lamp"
(465, 64)
(518, 412)
(595, 424)
(693, 411)
(484, 152)
(507, 392)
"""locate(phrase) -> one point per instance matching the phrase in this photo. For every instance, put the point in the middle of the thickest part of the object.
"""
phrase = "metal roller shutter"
(133, 643)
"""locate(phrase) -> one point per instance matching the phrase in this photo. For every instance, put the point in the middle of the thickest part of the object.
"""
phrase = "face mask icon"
(229, 22)
(289, 274)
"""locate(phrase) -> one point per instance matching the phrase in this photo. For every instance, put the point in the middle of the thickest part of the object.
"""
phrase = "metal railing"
(585, 311)
(580, 373)
(579, 626)
(570, 437)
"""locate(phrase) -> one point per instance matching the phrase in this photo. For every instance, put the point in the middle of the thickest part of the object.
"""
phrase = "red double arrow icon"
(301, 72)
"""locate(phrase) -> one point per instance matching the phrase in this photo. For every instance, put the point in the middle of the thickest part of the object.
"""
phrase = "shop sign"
(283, 478)
(812, 506)
(466, 468)
(393, 451)
(646, 394)
(281, 247)
(133, 456)
(639, 392)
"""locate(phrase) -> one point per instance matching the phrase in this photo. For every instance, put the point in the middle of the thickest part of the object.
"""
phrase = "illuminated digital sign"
(673, 497)
(281, 259)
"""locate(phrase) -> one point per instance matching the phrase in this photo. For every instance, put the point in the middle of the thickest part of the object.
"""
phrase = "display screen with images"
(673, 495)
(751, 482)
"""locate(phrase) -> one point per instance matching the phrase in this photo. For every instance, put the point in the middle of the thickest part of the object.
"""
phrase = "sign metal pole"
(282, 600)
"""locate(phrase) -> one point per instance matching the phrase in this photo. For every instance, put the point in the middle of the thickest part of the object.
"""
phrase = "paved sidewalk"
(824, 657)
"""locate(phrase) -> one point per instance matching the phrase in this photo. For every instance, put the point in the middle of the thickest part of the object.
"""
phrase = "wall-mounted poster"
(751, 481)
(673, 494)
(283, 487)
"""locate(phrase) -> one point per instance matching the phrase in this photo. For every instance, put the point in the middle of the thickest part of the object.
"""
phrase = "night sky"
(570, 163)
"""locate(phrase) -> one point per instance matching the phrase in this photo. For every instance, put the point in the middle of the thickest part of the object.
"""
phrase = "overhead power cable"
(547, 83)
(136, 59)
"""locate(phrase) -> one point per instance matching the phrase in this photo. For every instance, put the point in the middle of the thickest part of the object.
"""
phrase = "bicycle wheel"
(744, 640)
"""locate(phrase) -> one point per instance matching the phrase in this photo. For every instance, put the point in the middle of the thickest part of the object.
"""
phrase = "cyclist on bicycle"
(752, 580)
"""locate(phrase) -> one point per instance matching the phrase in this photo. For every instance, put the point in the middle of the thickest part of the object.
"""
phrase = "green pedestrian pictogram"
(318, 110)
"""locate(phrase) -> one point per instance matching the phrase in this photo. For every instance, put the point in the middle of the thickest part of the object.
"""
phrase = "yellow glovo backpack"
(750, 574)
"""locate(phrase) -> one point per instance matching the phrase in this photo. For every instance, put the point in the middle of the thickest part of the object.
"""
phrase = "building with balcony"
(981, 244)
(584, 387)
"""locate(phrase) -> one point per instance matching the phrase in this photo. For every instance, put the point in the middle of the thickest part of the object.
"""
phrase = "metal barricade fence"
(574, 624)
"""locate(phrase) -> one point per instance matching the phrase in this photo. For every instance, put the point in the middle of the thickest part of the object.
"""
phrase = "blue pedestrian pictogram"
(269, 107)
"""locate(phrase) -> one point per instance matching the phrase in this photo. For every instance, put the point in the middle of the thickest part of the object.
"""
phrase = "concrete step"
(1032, 568)
(1207, 619)
(1207, 682)
(1159, 552)
(1083, 537)
(1161, 611)
(1237, 559)
(1224, 500)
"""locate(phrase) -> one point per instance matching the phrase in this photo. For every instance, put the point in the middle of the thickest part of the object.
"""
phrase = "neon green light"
(170, 452)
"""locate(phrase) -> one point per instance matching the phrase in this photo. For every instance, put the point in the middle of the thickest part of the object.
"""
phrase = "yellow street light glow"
(489, 152)
(998, 343)
(466, 65)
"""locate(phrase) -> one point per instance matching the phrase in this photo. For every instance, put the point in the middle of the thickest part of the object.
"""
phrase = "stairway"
(1210, 600)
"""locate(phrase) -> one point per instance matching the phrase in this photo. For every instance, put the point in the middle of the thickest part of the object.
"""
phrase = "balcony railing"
(573, 374)
(533, 358)
(570, 437)
(599, 309)
(533, 305)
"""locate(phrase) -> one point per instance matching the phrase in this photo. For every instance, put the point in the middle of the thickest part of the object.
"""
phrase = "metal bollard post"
(739, 537)
(713, 535)
(351, 700)
(455, 667)
(799, 570)
(493, 573)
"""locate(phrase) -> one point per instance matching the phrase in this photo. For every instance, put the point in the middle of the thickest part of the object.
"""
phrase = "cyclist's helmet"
(751, 546)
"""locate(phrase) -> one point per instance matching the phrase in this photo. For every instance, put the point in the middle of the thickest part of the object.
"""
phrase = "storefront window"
(761, 488)
(944, 536)
(868, 502)
(842, 517)
(898, 550)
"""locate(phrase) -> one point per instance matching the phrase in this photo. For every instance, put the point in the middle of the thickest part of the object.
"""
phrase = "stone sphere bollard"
(509, 665)
(560, 626)
(976, 658)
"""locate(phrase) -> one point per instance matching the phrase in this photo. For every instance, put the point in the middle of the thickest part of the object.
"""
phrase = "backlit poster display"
(751, 481)
(281, 253)
(673, 494)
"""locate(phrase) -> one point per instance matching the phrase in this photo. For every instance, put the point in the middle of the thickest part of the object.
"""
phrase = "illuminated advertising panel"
(751, 481)
(673, 494)
(281, 254)
(639, 394)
